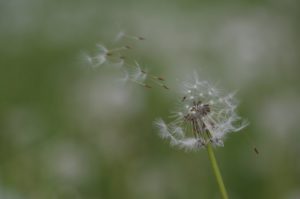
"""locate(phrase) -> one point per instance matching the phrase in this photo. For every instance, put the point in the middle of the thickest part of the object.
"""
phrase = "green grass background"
(67, 131)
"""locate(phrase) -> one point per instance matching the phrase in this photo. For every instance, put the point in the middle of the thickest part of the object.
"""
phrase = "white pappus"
(204, 115)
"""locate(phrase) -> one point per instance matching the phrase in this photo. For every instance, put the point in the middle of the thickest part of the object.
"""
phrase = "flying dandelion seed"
(205, 115)
(131, 70)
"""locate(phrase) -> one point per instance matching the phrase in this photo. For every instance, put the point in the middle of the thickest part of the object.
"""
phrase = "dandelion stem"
(217, 172)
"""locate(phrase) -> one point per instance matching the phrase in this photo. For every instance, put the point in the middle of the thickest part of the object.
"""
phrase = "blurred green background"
(67, 131)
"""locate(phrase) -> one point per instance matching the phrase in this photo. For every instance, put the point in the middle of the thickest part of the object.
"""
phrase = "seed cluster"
(195, 115)
(204, 115)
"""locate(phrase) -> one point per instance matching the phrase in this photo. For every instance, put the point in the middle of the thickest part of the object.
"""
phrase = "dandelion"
(205, 115)
(203, 119)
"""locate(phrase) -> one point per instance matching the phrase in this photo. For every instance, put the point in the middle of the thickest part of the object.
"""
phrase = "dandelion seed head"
(203, 118)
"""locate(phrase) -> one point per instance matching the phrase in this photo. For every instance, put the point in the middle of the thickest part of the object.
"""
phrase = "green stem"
(217, 172)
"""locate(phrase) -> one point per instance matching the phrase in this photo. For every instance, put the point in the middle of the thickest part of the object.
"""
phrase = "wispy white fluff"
(163, 128)
(102, 55)
(119, 36)
(138, 75)
(204, 115)
(177, 137)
